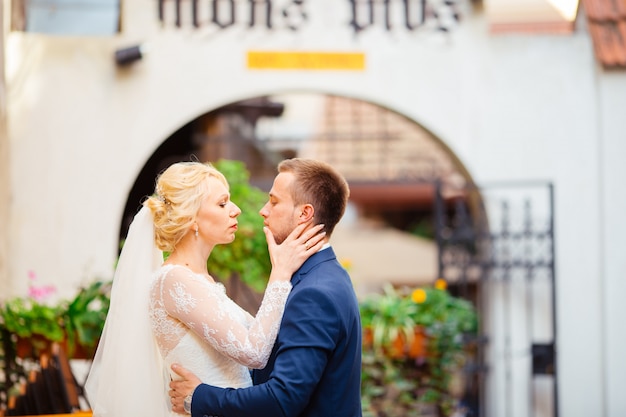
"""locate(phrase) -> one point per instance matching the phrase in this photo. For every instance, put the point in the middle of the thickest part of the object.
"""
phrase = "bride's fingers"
(308, 234)
(314, 246)
(314, 237)
(297, 232)
(269, 236)
(298, 236)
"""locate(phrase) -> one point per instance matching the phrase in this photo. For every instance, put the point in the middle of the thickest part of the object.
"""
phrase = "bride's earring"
(196, 231)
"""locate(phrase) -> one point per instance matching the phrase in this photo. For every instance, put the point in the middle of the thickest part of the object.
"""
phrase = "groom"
(315, 367)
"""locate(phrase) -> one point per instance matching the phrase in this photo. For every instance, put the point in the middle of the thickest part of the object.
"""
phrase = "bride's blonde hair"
(179, 192)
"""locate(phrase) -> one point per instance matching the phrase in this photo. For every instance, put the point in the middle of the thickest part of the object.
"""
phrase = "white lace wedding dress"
(198, 326)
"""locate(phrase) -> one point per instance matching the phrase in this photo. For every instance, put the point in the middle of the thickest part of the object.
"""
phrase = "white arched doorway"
(390, 161)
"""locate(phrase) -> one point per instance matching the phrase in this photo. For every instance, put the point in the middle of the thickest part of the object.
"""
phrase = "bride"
(174, 311)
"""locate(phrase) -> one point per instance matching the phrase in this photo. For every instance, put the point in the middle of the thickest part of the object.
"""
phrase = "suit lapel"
(322, 256)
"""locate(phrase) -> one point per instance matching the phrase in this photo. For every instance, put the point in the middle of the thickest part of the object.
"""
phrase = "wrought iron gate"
(496, 247)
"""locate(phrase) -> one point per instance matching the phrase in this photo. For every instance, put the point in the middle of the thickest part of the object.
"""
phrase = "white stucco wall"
(512, 107)
(5, 192)
(612, 230)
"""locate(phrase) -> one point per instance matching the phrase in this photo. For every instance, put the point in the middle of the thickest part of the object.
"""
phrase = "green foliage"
(77, 324)
(26, 317)
(84, 316)
(248, 255)
(388, 315)
(390, 387)
(395, 379)
(423, 228)
(79, 321)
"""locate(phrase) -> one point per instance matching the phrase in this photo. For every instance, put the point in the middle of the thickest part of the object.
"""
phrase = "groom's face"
(280, 213)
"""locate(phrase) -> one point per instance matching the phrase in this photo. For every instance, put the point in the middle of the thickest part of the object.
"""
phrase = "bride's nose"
(235, 211)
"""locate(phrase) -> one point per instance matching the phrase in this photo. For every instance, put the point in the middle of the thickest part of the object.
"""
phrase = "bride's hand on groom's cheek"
(179, 389)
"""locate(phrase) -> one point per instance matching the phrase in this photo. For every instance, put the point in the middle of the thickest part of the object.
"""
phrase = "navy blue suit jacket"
(315, 367)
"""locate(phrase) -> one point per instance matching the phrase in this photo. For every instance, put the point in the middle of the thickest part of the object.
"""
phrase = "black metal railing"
(496, 245)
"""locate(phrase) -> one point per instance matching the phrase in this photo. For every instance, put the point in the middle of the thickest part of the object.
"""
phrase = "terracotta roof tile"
(607, 27)
(621, 8)
(591, 9)
(621, 25)
(533, 27)
(620, 39)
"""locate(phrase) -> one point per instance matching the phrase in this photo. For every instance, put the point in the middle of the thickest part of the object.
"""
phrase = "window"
(67, 17)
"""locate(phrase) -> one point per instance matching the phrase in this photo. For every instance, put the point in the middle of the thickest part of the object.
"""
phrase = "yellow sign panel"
(345, 61)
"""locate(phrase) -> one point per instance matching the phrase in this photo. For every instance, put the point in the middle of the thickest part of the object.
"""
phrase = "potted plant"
(84, 316)
(30, 325)
(413, 345)
(33, 323)
(389, 325)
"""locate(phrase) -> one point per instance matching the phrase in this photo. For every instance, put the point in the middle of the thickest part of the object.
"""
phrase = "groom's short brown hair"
(319, 184)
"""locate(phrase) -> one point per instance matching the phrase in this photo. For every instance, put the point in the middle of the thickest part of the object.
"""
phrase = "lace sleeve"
(205, 308)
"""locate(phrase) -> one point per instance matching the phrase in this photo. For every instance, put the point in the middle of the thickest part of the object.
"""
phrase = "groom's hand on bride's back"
(179, 389)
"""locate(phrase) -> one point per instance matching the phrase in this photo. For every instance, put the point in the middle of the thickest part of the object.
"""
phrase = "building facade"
(521, 95)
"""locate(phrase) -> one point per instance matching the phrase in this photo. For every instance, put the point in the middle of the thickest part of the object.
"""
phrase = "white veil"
(127, 377)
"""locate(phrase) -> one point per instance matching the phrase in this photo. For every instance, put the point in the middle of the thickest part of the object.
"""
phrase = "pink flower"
(39, 294)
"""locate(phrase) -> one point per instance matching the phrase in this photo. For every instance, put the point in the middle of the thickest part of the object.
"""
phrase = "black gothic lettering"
(365, 13)
(178, 13)
(358, 7)
(216, 14)
(368, 9)
(442, 15)
(447, 14)
(268, 12)
(194, 13)
(420, 14)
(295, 14)
(387, 15)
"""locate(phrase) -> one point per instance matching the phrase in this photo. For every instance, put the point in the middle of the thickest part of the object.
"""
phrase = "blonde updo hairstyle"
(178, 196)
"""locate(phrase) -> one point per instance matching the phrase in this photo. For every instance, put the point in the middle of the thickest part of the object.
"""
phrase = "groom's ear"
(306, 213)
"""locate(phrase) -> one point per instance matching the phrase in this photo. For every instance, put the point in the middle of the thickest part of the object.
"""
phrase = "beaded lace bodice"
(197, 325)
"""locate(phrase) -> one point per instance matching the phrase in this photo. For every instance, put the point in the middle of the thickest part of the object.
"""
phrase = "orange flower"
(418, 296)
(441, 284)
(346, 263)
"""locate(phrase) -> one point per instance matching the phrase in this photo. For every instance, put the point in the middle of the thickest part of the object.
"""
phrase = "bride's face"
(217, 217)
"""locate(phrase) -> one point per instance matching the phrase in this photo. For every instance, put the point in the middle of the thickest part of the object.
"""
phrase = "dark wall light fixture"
(126, 56)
